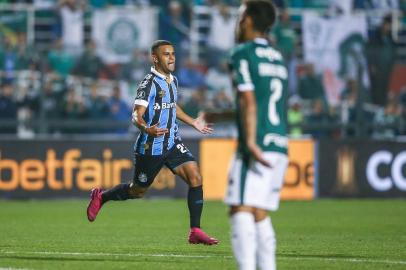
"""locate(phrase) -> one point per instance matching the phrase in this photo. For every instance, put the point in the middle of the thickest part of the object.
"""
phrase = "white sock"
(266, 245)
(243, 240)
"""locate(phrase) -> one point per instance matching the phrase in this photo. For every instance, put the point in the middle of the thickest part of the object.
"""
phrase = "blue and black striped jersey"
(159, 97)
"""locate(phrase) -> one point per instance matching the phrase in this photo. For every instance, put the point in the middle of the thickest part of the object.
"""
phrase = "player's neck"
(159, 70)
(254, 35)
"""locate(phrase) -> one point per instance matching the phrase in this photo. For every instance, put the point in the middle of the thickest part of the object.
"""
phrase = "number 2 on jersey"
(276, 94)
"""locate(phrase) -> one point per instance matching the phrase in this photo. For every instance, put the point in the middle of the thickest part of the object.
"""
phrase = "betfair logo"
(62, 174)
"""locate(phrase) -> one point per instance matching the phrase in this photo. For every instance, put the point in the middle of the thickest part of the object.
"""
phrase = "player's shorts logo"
(142, 178)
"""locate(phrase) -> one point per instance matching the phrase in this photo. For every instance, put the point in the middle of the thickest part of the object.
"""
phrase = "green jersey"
(258, 67)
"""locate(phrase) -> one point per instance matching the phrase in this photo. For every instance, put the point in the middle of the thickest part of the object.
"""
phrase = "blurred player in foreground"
(258, 169)
(155, 113)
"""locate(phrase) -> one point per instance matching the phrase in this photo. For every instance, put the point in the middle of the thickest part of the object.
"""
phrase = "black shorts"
(146, 167)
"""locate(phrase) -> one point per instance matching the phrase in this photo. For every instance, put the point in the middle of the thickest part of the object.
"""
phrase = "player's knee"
(136, 192)
(195, 179)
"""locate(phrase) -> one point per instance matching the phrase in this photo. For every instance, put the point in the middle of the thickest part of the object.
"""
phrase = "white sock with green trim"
(243, 239)
(266, 244)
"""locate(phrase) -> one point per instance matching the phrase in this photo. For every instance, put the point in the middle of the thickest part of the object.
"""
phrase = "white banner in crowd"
(117, 32)
(335, 47)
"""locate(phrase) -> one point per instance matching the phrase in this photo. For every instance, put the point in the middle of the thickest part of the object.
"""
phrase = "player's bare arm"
(138, 121)
(199, 123)
(249, 119)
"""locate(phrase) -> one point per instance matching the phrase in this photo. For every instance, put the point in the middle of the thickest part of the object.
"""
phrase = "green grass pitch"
(151, 234)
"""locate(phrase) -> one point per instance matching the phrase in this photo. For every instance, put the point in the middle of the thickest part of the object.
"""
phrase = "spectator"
(71, 12)
(285, 40)
(8, 109)
(97, 107)
(381, 59)
(285, 36)
(90, 64)
(295, 117)
(318, 119)
(353, 112)
(387, 120)
(221, 35)
(73, 106)
(174, 26)
(59, 60)
(222, 101)
(119, 110)
(217, 78)
(8, 61)
(190, 76)
(51, 101)
(72, 109)
(377, 9)
(310, 84)
(26, 55)
(136, 68)
(195, 104)
(30, 100)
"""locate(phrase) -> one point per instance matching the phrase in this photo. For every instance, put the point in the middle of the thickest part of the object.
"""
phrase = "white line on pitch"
(281, 257)
(12, 268)
(356, 260)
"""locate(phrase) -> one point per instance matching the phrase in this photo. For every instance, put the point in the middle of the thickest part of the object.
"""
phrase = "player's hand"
(156, 131)
(257, 153)
(201, 125)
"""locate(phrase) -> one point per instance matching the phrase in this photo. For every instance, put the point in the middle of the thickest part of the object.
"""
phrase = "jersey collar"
(262, 41)
(160, 75)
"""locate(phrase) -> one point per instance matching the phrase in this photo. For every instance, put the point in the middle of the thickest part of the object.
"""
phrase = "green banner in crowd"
(13, 22)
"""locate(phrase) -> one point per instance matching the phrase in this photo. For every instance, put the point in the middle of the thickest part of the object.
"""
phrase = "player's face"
(241, 26)
(164, 59)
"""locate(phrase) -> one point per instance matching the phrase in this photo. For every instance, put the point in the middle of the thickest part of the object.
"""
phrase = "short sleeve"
(144, 91)
(241, 72)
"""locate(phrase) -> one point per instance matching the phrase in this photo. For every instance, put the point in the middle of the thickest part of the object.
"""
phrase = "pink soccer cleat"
(198, 236)
(95, 204)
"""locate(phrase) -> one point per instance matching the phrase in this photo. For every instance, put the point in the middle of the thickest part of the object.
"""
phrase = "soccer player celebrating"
(258, 169)
(155, 113)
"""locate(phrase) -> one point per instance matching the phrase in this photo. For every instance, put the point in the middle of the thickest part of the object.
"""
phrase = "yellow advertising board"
(216, 156)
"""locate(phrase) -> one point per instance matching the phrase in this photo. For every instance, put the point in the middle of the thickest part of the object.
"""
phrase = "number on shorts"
(181, 148)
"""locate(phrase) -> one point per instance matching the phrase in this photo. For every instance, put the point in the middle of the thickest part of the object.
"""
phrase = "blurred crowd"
(70, 81)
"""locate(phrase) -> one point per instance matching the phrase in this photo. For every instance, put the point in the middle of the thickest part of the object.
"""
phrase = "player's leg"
(189, 172)
(182, 163)
(243, 236)
(246, 190)
(266, 240)
(145, 170)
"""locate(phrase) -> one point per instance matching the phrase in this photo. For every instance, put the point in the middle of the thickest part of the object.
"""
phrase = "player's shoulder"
(149, 77)
(241, 49)
(146, 81)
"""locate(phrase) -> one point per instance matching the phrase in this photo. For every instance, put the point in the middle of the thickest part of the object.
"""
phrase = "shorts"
(253, 184)
(146, 167)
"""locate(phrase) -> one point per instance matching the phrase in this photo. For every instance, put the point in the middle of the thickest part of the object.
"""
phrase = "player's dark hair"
(262, 13)
(158, 43)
